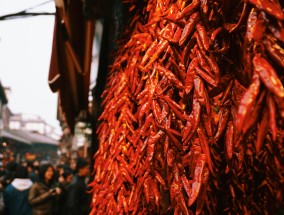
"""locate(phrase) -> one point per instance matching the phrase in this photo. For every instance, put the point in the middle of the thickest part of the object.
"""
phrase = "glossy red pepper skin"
(205, 148)
(171, 77)
(210, 80)
(268, 75)
(275, 51)
(275, 29)
(203, 191)
(247, 102)
(162, 45)
(261, 133)
(223, 121)
(258, 29)
(190, 76)
(193, 122)
(179, 70)
(254, 113)
(272, 116)
(188, 10)
(197, 179)
(229, 138)
(203, 36)
(189, 27)
(150, 51)
(202, 62)
(273, 9)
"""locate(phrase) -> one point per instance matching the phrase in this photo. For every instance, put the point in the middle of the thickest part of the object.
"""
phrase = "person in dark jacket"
(32, 173)
(78, 201)
(10, 173)
(16, 194)
(43, 195)
(67, 177)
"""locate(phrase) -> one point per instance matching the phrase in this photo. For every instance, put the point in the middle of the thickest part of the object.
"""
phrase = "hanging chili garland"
(193, 111)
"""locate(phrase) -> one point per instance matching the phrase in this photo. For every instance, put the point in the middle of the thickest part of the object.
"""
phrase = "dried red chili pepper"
(202, 62)
(275, 51)
(189, 27)
(254, 113)
(205, 148)
(146, 186)
(197, 179)
(180, 70)
(179, 112)
(162, 45)
(202, 194)
(150, 51)
(187, 10)
(272, 116)
(258, 29)
(193, 121)
(203, 36)
(229, 137)
(190, 76)
(274, 9)
(199, 90)
(247, 102)
(171, 77)
(153, 139)
(206, 121)
(268, 75)
(223, 121)
(205, 76)
(262, 130)
(275, 29)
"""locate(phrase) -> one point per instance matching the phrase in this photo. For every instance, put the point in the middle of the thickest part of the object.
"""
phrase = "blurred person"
(2, 175)
(23, 163)
(36, 165)
(78, 201)
(33, 175)
(2, 170)
(2, 206)
(73, 165)
(43, 193)
(67, 177)
(16, 194)
(10, 173)
(59, 172)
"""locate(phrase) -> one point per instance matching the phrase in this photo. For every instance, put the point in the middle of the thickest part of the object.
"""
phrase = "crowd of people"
(33, 189)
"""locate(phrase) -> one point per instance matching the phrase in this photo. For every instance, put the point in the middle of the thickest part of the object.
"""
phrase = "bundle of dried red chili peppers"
(193, 111)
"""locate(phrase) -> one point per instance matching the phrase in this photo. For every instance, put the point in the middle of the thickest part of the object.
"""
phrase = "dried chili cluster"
(193, 111)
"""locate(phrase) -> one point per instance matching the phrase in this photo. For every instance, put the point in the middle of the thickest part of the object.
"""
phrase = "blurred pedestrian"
(2, 170)
(10, 173)
(59, 172)
(64, 184)
(43, 194)
(33, 175)
(16, 194)
(79, 200)
(2, 175)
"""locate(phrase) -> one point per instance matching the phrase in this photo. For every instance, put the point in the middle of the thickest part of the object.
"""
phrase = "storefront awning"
(9, 135)
(27, 137)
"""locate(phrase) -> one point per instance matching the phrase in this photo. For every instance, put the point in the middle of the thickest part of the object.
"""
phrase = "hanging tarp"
(71, 59)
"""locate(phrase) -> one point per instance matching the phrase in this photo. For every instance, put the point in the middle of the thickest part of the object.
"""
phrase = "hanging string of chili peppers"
(193, 111)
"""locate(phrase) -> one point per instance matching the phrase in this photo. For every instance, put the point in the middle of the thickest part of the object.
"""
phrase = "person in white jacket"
(16, 194)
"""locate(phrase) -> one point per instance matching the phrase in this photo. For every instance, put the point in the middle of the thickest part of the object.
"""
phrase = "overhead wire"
(25, 13)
